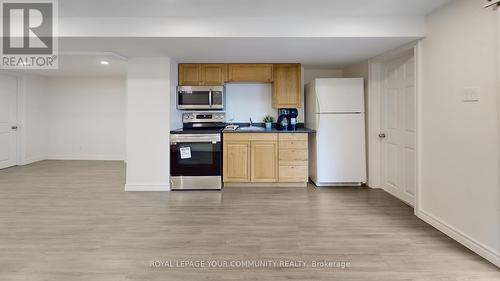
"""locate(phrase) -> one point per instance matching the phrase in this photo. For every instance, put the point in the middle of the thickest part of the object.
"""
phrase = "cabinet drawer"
(294, 163)
(293, 173)
(236, 137)
(293, 155)
(251, 136)
(264, 137)
(294, 136)
(292, 144)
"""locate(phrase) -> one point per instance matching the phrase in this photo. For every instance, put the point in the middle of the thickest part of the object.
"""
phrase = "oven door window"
(194, 98)
(204, 159)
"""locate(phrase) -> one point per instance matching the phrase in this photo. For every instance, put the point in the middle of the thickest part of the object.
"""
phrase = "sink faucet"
(251, 122)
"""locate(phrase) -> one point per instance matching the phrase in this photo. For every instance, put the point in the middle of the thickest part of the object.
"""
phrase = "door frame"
(374, 114)
(19, 114)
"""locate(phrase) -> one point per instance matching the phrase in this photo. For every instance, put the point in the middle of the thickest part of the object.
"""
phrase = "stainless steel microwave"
(200, 97)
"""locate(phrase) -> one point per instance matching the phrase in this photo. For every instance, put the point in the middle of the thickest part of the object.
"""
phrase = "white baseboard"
(147, 187)
(477, 247)
(32, 160)
(87, 157)
(368, 184)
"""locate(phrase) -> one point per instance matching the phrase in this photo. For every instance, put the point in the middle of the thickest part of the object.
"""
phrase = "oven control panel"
(208, 117)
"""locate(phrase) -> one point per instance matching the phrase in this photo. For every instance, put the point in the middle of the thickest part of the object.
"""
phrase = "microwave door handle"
(210, 97)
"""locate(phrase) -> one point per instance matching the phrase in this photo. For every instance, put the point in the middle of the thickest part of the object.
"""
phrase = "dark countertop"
(300, 130)
(273, 130)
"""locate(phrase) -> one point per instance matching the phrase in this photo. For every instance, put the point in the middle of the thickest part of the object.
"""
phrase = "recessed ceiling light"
(103, 62)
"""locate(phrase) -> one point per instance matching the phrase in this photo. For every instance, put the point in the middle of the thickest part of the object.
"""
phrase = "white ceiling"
(245, 8)
(87, 18)
(325, 53)
(312, 52)
(85, 65)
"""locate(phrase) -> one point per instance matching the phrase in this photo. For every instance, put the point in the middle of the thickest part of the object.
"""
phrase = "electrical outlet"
(470, 95)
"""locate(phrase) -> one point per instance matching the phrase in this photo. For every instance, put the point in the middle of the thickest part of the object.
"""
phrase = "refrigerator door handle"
(317, 122)
(318, 109)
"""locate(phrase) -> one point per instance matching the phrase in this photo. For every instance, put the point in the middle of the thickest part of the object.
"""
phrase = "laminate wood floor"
(71, 220)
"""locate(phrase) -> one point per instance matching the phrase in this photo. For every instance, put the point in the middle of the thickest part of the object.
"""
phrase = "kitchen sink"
(251, 128)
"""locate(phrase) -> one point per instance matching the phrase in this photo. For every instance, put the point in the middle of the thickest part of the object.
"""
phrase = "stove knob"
(191, 116)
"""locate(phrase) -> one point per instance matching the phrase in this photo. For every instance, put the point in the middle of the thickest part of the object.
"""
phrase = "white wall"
(356, 71)
(313, 73)
(86, 118)
(148, 124)
(175, 115)
(33, 119)
(459, 185)
(498, 125)
(237, 26)
(249, 100)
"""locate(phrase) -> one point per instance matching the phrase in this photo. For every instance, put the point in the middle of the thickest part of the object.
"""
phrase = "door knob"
(14, 127)
(382, 135)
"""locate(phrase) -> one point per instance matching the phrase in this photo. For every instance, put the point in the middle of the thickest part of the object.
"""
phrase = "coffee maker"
(287, 119)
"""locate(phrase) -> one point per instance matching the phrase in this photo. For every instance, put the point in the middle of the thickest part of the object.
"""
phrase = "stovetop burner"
(201, 123)
(183, 131)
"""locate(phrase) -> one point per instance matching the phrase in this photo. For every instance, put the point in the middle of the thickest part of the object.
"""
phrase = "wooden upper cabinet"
(248, 72)
(287, 86)
(210, 74)
(213, 74)
(189, 74)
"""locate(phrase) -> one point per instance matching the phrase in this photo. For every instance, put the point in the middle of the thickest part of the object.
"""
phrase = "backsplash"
(249, 100)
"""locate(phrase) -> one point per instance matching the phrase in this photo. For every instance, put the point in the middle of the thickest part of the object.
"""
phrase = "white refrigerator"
(335, 108)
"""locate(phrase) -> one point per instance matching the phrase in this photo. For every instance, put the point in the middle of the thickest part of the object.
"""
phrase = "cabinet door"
(189, 74)
(248, 72)
(213, 74)
(287, 86)
(236, 165)
(264, 164)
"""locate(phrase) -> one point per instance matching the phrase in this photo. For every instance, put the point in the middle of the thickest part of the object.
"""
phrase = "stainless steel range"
(196, 152)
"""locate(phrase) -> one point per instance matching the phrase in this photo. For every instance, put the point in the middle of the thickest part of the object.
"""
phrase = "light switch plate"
(470, 95)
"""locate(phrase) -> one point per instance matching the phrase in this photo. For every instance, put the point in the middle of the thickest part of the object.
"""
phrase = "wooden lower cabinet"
(293, 173)
(265, 158)
(293, 158)
(264, 161)
(236, 161)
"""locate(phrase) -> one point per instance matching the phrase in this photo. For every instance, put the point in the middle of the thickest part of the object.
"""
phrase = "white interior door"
(8, 121)
(398, 136)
